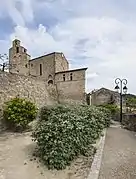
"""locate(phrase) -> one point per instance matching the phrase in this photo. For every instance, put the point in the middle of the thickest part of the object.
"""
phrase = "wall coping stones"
(95, 167)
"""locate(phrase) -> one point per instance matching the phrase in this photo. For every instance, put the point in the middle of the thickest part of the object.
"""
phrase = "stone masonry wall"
(101, 98)
(18, 59)
(61, 64)
(129, 121)
(48, 66)
(71, 91)
(104, 96)
(12, 85)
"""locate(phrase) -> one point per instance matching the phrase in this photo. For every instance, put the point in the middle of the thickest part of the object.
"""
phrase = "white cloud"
(106, 45)
(20, 11)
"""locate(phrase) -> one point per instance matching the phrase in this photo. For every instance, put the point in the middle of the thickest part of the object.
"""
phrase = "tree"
(4, 62)
(131, 102)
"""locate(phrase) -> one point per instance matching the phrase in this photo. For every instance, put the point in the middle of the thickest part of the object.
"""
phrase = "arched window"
(64, 77)
(50, 82)
(71, 76)
(17, 49)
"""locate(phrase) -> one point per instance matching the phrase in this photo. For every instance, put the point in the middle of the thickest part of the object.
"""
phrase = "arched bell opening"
(50, 82)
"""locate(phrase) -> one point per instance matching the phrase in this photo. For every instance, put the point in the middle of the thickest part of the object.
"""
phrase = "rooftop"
(53, 53)
(79, 69)
(49, 54)
(103, 89)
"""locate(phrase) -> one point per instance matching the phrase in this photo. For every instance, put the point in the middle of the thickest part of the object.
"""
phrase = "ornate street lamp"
(122, 89)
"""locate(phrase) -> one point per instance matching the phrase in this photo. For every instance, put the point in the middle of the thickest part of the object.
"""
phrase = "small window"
(31, 65)
(26, 65)
(64, 78)
(17, 49)
(71, 76)
(24, 50)
(40, 69)
(50, 82)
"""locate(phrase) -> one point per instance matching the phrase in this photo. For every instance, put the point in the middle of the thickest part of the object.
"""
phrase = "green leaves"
(131, 102)
(65, 132)
(19, 112)
(113, 109)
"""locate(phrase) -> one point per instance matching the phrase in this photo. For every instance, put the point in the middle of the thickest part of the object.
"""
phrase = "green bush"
(65, 132)
(112, 108)
(18, 113)
(46, 111)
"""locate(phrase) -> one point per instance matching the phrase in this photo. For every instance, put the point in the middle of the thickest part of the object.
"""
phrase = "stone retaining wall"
(129, 121)
(13, 85)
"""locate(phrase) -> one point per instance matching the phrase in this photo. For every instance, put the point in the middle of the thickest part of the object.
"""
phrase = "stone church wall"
(71, 91)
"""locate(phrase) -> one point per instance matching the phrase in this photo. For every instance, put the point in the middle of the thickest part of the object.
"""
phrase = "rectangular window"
(40, 69)
(17, 49)
(71, 76)
(64, 78)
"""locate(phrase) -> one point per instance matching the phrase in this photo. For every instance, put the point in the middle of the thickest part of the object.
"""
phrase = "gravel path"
(119, 157)
(15, 161)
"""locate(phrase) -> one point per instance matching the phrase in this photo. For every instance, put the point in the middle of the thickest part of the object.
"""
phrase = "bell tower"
(18, 59)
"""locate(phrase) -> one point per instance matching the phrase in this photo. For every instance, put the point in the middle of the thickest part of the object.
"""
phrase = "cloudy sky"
(100, 35)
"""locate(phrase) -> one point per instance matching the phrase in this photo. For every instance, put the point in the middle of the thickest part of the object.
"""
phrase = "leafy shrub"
(131, 102)
(46, 111)
(65, 132)
(112, 108)
(18, 113)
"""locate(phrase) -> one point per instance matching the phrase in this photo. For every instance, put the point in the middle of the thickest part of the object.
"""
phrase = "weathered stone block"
(129, 121)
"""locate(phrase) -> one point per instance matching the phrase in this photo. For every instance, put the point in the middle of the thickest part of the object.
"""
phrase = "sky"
(100, 35)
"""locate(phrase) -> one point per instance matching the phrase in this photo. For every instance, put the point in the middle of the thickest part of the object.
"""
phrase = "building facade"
(104, 96)
(53, 69)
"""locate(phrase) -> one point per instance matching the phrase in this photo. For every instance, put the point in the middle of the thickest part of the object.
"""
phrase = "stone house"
(67, 85)
(104, 96)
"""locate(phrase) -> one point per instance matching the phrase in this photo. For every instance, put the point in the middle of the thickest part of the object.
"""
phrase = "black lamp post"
(122, 88)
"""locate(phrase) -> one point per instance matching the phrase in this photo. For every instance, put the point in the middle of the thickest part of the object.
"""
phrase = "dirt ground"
(16, 155)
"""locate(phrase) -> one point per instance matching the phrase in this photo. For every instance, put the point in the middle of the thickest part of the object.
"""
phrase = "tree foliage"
(131, 102)
(114, 109)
